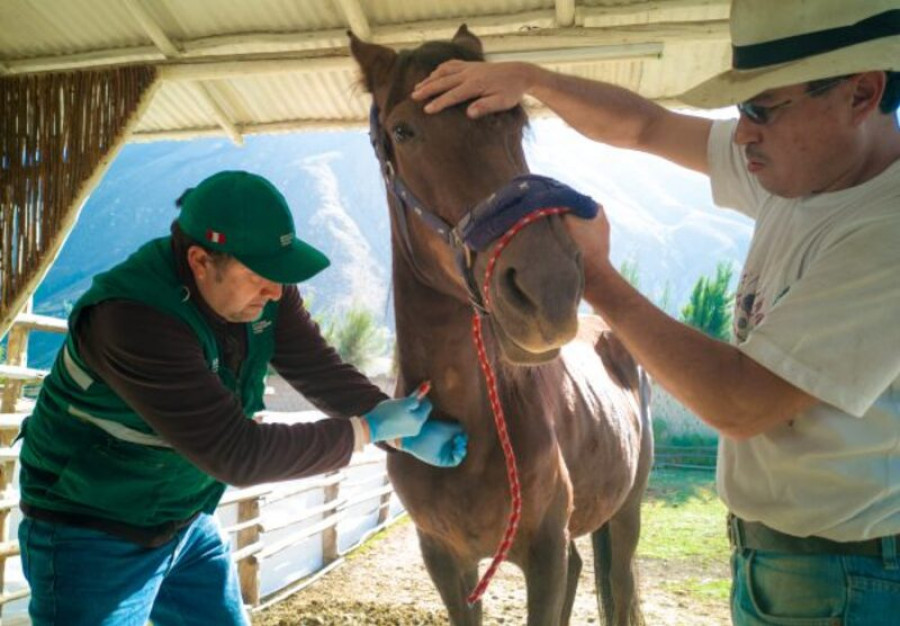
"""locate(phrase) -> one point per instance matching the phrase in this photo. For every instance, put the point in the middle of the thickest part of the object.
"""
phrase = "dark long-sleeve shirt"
(155, 363)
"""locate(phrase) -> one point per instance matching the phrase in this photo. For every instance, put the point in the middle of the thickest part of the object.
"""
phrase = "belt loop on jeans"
(889, 552)
(735, 532)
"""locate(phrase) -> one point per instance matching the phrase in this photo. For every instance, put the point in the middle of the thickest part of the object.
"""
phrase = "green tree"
(355, 336)
(709, 308)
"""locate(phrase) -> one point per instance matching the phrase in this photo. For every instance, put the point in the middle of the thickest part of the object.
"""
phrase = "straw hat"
(787, 42)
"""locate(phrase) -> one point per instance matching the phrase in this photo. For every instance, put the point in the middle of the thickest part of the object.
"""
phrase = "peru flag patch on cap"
(215, 236)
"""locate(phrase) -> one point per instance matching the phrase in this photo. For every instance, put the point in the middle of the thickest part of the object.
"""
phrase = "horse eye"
(402, 132)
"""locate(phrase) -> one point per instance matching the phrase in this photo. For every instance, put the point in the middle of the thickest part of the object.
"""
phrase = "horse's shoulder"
(618, 361)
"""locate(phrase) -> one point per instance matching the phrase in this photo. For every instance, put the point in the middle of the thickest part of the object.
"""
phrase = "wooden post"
(385, 509)
(248, 568)
(16, 354)
(330, 535)
(4, 532)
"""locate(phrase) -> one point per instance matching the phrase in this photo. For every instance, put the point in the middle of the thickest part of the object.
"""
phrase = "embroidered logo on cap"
(286, 239)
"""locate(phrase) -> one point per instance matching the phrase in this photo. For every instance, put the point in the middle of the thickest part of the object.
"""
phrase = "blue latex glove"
(392, 419)
(439, 443)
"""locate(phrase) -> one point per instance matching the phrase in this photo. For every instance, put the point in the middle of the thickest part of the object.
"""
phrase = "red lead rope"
(512, 473)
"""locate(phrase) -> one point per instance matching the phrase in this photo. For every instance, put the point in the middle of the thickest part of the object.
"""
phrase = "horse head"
(438, 168)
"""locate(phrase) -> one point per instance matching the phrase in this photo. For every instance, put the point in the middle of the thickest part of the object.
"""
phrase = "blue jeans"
(777, 589)
(83, 577)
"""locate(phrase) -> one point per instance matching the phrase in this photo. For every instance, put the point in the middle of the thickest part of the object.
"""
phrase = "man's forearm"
(726, 389)
(600, 111)
(622, 118)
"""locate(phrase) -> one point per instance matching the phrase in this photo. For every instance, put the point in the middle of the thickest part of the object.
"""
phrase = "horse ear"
(375, 61)
(467, 40)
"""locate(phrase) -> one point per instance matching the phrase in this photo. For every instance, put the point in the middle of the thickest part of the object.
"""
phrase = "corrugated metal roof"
(276, 65)
(406, 11)
(30, 29)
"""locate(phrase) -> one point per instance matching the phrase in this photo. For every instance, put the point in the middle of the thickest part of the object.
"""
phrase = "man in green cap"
(145, 416)
(807, 399)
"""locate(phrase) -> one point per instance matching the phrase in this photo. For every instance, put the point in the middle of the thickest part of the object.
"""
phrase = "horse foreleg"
(546, 577)
(453, 581)
(572, 577)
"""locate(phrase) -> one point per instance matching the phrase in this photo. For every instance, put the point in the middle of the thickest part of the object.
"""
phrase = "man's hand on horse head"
(492, 87)
(394, 419)
(592, 238)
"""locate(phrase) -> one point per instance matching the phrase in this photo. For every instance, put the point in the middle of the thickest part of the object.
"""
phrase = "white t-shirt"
(819, 305)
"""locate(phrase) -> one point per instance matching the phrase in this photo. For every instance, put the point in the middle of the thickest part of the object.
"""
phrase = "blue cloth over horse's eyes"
(523, 195)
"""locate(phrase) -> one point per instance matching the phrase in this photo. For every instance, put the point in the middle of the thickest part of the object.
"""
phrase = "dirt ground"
(385, 584)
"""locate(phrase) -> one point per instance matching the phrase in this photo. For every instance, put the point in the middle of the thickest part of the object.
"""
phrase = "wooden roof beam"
(215, 101)
(287, 126)
(356, 18)
(85, 60)
(565, 13)
(296, 125)
(238, 67)
(581, 54)
(536, 26)
(157, 35)
(647, 12)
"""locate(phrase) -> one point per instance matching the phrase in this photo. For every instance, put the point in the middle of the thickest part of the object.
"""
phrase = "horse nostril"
(514, 292)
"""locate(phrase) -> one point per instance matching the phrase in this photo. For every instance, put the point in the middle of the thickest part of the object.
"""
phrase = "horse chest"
(469, 506)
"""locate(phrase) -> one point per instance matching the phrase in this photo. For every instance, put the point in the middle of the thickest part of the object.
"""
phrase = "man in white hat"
(808, 400)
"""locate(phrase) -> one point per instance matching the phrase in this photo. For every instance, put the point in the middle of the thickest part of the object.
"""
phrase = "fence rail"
(343, 494)
(685, 457)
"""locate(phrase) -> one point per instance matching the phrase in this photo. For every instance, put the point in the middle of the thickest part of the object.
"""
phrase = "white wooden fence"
(320, 518)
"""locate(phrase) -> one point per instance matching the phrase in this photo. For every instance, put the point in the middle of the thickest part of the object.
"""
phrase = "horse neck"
(434, 342)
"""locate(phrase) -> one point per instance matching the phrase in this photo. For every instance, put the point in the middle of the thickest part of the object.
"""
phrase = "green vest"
(86, 451)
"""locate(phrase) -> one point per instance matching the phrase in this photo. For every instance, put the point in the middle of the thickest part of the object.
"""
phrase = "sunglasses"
(762, 114)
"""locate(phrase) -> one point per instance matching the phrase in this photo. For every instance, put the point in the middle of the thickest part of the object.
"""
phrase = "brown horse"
(575, 410)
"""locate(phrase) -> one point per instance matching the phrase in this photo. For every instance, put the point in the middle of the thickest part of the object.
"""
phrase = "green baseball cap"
(244, 215)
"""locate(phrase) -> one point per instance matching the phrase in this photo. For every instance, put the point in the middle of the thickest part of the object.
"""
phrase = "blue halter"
(524, 194)
(487, 221)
